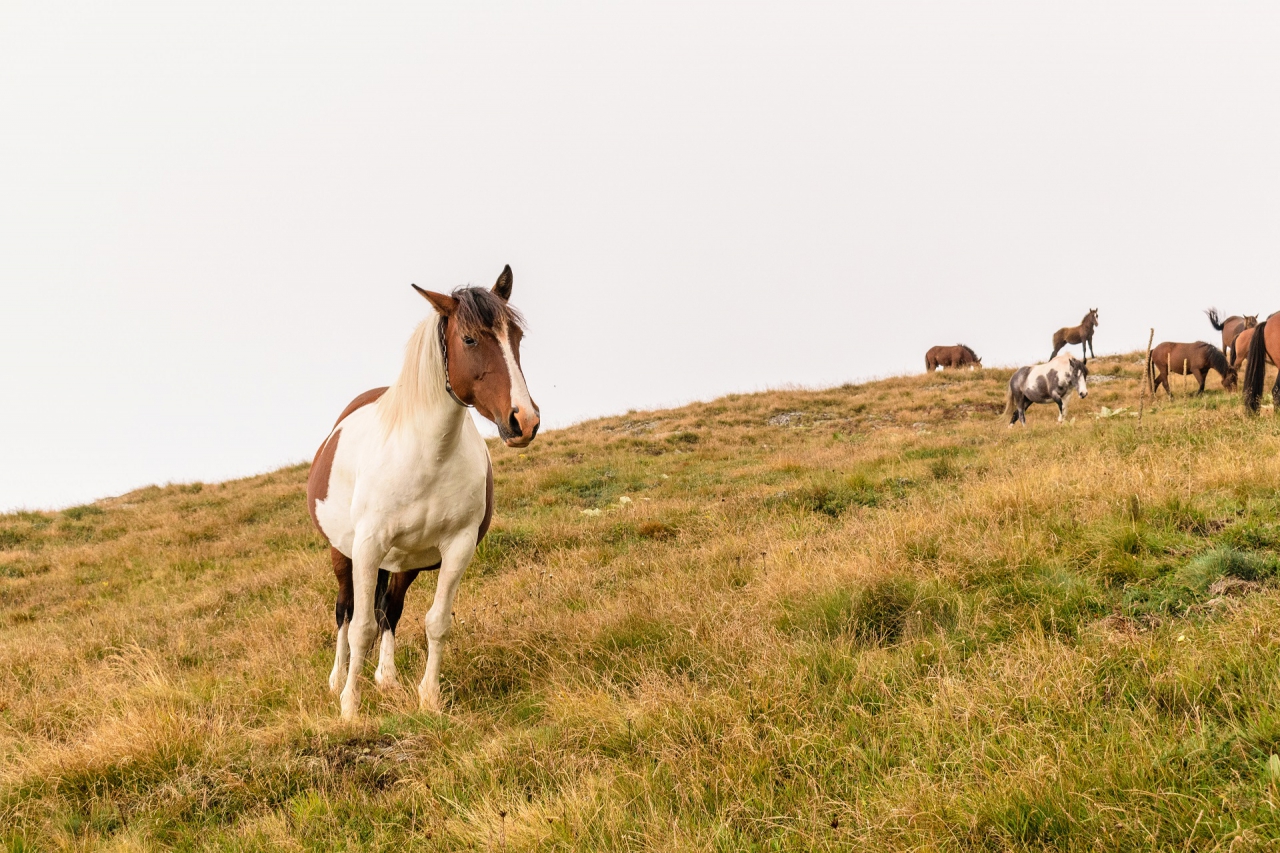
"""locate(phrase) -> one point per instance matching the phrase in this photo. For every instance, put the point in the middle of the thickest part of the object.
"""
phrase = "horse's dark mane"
(480, 309)
(1218, 360)
(969, 351)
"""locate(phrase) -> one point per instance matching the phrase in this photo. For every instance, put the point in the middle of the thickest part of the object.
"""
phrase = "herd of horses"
(403, 482)
(1245, 342)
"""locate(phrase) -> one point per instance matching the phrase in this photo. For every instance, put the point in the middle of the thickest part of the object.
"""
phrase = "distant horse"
(1231, 329)
(1082, 334)
(1195, 359)
(1264, 346)
(1042, 383)
(403, 484)
(956, 356)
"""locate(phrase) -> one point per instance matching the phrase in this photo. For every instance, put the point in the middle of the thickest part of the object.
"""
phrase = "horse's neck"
(417, 403)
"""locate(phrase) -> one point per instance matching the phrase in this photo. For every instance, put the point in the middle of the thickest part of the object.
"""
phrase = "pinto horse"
(1042, 383)
(956, 356)
(403, 483)
(1264, 346)
(1188, 360)
(1082, 334)
(1231, 328)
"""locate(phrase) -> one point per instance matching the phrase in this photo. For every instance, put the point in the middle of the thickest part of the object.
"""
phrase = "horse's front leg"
(390, 607)
(1062, 408)
(367, 556)
(454, 558)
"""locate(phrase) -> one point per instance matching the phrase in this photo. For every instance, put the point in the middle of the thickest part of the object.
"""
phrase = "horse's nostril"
(514, 423)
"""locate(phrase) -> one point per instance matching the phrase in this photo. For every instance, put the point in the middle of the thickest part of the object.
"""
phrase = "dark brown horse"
(1264, 346)
(1231, 329)
(1195, 359)
(956, 356)
(1082, 334)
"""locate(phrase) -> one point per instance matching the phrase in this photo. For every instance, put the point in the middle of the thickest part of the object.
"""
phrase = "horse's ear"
(445, 305)
(502, 287)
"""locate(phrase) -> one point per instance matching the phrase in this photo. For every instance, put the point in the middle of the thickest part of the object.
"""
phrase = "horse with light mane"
(1082, 334)
(1043, 383)
(1195, 359)
(403, 483)
(1231, 329)
(957, 356)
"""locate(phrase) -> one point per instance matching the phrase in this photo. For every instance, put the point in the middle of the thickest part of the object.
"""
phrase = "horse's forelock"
(481, 310)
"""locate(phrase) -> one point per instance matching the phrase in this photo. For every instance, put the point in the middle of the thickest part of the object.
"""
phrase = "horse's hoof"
(350, 706)
(335, 682)
(385, 680)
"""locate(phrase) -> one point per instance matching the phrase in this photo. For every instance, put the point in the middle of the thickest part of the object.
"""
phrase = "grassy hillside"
(868, 618)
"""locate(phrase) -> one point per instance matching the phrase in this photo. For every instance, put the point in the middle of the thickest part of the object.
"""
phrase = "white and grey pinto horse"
(403, 483)
(1042, 383)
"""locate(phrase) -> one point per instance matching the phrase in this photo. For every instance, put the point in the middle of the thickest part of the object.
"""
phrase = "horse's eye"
(468, 340)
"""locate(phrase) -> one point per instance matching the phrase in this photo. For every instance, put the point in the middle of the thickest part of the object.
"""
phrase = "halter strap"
(444, 355)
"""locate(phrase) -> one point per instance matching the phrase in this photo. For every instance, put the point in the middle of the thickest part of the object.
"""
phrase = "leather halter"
(444, 354)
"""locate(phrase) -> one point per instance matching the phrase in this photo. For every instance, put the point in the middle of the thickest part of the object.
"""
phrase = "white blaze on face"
(1084, 391)
(520, 398)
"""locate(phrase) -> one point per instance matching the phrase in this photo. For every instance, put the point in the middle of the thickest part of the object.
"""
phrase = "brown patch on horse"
(488, 505)
(370, 396)
(322, 465)
(318, 479)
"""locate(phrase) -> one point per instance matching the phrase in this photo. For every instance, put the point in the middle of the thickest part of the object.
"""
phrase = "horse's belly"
(399, 560)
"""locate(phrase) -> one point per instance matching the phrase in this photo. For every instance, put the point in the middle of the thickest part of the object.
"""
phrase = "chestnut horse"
(1264, 346)
(1082, 334)
(1239, 353)
(1231, 329)
(956, 356)
(403, 483)
(1195, 359)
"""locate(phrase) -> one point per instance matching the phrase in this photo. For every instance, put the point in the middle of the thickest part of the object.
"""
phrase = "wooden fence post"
(1142, 396)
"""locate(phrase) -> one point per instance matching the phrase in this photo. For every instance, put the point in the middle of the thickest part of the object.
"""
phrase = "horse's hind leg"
(389, 608)
(1275, 393)
(342, 612)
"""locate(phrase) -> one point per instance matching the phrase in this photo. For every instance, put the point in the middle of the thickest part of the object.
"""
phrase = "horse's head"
(1081, 370)
(1250, 320)
(481, 337)
(1229, 379)
(1092, 317)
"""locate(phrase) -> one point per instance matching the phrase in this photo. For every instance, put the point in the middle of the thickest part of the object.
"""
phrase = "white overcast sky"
(210, 216)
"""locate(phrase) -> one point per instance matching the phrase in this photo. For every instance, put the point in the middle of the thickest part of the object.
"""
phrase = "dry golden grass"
(868, 617)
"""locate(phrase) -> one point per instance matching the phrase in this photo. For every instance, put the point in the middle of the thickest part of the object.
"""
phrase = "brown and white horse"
(403, 483)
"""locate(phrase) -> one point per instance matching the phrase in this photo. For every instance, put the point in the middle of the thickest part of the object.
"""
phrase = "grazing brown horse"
(1264, 346)
(1231, 329)
(1195, 359)
(1082, 334)
(956, 356)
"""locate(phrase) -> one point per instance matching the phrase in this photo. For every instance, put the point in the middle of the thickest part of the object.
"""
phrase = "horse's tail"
(1256, 370)
(1151, 371)
(1008, 399)
(1214, 319)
